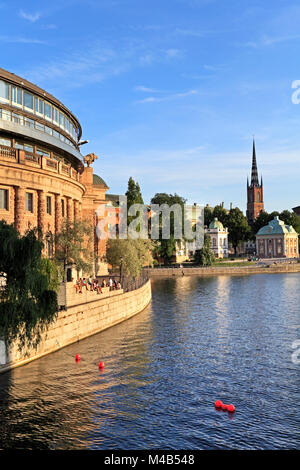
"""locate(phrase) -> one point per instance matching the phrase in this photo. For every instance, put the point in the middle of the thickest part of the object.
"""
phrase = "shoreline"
(215, 271)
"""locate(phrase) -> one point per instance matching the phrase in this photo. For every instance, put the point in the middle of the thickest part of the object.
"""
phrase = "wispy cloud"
(156, 99)
(24, 40)
(266, 41)
(32, 17)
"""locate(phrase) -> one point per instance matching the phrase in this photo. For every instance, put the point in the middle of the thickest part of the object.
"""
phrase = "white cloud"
(32, 17)
(16, 39)
(153, 99)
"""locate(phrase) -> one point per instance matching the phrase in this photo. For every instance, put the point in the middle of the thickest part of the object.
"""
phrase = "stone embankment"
(219, 270)
(83, 315)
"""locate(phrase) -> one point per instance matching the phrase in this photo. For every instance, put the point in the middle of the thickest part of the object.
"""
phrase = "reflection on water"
(226, 337)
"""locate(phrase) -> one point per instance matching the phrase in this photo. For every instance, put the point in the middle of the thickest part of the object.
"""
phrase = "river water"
(201, 339)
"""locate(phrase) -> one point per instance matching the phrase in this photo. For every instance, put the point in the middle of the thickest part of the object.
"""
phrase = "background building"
(218, 238)
(42, 174)
(277, 240)
(255, 201)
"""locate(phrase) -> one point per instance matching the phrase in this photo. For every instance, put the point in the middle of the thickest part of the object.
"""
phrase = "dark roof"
(296, 210)
(254, 173)
(98, 180)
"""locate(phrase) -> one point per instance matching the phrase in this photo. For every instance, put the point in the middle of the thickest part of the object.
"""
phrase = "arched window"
(258, 197)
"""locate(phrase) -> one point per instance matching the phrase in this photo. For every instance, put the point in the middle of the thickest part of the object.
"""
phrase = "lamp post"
(121, 271)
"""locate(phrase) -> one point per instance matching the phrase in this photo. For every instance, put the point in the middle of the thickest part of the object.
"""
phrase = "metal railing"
(127, 284)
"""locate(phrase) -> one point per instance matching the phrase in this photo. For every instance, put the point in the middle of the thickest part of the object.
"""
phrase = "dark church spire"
(254, 173)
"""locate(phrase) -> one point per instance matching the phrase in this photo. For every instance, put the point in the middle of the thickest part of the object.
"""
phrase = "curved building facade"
(42, 174)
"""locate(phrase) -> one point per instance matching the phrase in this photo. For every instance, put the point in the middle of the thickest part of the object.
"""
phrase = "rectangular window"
(62, 208)
(18, 145)
(61, 120)
(42, 152)
(55, 134)
(28, 148)
(16, 96)
(48, 130)
(5, 142)
(28, 122)
(28, 101)
(39, 126)
(48, 111)
(39, 106)
(55, 115)
(4, 199)
(17, 118)
(49, 205)
(29, 202)
(4, 92)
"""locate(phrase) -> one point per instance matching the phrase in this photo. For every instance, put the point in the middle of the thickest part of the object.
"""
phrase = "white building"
(218, 238)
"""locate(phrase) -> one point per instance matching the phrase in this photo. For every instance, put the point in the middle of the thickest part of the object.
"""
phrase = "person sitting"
(84, 283)
(119, 285)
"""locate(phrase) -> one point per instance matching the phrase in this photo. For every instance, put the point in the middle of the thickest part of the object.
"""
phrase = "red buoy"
(77, 357)
(231, 408)
(101, 365)
(224, 407)
(218, 404)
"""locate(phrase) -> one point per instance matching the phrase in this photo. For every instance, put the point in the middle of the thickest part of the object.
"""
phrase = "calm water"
(200, 339)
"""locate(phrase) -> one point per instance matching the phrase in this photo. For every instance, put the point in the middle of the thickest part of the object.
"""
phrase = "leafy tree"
(208, 215)
(128, 255)
(74, 245)
(204, 256)
(261, 220)
(290, 218)
(134, 196)
(238, 227)
(168, 246)
(221, 213)
(28, 301)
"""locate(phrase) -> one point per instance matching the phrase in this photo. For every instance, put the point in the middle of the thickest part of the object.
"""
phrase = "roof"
(276, 227)
(98, 180)
(216, 224)
(22, 82)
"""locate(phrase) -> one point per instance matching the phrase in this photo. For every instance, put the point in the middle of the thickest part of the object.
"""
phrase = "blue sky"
(171, 92)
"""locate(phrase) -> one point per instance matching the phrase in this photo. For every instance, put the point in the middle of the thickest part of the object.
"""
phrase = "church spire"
(254, 173)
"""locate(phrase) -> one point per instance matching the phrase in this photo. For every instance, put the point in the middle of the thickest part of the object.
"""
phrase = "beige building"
(42, 174)
(277, 240)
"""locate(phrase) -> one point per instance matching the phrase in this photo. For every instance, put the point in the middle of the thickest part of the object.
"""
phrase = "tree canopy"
(204, 256)
(128, 255)
(28, 300)
(73, 245)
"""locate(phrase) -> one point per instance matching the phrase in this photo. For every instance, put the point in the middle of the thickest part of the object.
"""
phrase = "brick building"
(255, 200)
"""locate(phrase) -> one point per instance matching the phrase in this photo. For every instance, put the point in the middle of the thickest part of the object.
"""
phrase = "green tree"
(290, 218)
(204, 256)
(221, 214)
(74, 245)
(129, 256)
(134, 196)
(208, 215)
(168, 246)
(238, 227)
(28, 302)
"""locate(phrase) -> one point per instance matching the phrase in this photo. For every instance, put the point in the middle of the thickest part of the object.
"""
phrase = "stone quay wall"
(85, 314)
(215, 271)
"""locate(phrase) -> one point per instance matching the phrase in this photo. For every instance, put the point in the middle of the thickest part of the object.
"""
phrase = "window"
(49, 205)
(48, 111)
(29, 122)
(39, 106)
(62, 207)
(55, 134)
(48, 130)
(61, 120)
(42, 152)
(4, 199)
(5, 142)
(17, 118)
(16, 96)
(55, 115)
(28, 148)
(39, 126)
(28, 101)
(4, 92)
(29, 202)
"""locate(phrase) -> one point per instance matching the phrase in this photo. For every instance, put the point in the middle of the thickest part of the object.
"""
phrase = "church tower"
(255, 201)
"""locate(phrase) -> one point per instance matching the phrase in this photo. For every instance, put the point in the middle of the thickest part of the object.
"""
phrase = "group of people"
(91, 284)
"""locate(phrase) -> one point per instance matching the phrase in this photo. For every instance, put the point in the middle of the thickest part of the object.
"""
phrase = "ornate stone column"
(70, 209)
(58, 214)
(41, 210)
(19, 209)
